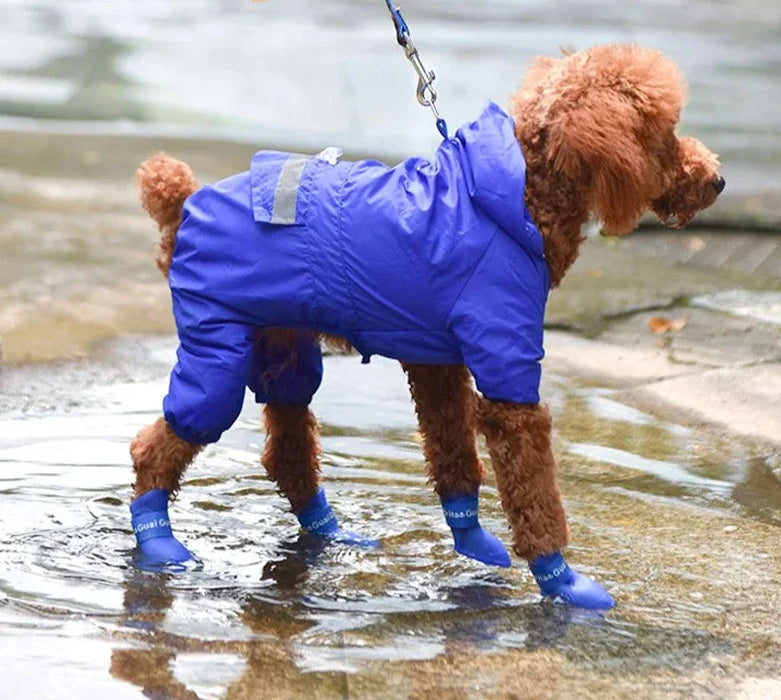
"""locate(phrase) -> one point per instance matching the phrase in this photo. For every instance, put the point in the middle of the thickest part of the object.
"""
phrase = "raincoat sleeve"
(206, 390)
(498, 321)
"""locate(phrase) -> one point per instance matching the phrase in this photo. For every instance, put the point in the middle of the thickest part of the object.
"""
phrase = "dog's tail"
(163, 185)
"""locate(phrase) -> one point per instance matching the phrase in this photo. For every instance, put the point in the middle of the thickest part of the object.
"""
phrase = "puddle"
(642, 454)
(601, 405)
(273, 606)
(665, 471)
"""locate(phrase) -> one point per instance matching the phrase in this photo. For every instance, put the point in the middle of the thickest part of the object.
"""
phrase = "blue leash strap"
(402, 30)
(425, 93)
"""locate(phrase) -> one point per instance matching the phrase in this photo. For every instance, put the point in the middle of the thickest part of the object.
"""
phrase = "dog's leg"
(205, 395)
(445, 405)
(518, 438)
(159, 460)
(291, 453)
(287, 369)
(291, 459)
(286, 372)
(207, 385)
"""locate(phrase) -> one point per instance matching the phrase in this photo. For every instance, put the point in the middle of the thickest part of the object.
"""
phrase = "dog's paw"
(476, 543)
(583, 592)
(319, 518)
(157, 546)
(469, 538)
(561, 584)
(165, 554)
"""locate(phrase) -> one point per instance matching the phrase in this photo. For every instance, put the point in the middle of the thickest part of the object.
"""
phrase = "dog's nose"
(719, 184)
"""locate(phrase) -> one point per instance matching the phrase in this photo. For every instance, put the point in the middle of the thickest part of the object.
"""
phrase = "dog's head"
(606, 119)
(695, 185)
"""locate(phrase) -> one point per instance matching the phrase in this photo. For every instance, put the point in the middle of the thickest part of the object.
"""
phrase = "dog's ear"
(610, 126)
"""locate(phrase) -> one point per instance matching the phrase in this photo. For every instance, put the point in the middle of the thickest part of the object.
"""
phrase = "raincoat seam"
(353, 307)
(303, 204)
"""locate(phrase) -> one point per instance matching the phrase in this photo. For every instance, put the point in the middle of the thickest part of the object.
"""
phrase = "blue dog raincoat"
(427, 262)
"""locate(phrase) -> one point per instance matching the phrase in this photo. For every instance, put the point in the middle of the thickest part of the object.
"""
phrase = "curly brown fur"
(445, 405)
(163, 184)
(160, 458)
(336, 343)
(598, 132)
(518, 439)
(292, 451)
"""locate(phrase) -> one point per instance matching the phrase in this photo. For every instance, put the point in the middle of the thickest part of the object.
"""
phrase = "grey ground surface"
(723, 366)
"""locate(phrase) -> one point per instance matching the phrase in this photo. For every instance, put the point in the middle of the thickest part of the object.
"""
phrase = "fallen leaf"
(661, 324)
(658, 324)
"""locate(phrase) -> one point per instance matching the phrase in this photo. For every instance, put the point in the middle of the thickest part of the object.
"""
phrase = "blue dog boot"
(469, 538)
(318, 518)
(152, 528)
(560, 583)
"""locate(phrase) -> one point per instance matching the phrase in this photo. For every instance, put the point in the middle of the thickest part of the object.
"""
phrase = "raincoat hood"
(494, 162)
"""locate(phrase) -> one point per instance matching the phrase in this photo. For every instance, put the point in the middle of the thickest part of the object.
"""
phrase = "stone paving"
(756, 254)
(722, 367)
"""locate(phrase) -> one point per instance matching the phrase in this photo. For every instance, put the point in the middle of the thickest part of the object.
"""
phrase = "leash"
(425, 93)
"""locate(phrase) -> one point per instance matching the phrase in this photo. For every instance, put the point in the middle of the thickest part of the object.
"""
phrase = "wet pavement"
(722, 368)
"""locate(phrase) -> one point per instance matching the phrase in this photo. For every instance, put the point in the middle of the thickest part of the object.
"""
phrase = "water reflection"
(290, 641)
(759, 491)
(297, 647)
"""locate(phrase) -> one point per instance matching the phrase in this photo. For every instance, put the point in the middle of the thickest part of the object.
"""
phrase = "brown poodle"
(597, 132)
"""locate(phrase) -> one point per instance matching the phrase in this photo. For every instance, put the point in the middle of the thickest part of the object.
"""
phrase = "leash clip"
(425, 92)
